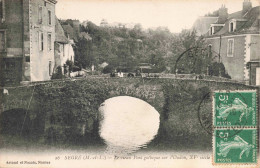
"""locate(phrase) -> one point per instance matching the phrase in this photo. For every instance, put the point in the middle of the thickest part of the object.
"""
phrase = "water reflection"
(127, 124)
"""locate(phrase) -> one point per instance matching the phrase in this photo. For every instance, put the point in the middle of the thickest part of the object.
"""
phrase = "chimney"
(222, 14)
(247, 5)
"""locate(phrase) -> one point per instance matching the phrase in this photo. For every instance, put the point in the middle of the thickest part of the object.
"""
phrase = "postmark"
(234, 108)
(238, 149)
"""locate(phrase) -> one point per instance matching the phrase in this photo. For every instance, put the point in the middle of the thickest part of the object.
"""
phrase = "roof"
(59, 33)
(237, 15)
(249, 23)
(202, 24)
(70, 31)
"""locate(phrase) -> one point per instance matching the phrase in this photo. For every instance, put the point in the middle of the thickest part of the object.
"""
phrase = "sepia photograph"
(129, 83)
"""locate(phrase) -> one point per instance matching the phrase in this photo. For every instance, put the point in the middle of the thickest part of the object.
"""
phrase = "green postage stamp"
(235, 145)
(235, 127)
(234, 108)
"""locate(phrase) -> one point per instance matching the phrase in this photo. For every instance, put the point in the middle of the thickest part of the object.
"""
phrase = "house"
(27, 35)
(63, 47)
(234, 40)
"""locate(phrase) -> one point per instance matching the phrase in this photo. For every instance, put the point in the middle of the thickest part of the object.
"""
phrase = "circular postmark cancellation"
(229, 110)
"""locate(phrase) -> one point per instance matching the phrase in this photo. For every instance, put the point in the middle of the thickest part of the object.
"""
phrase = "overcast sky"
(174, 14)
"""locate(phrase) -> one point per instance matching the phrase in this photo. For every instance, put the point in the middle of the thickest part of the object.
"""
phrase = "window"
(27, 59)
(209, 50)
(49, 17)
(230, 48)
(50, 68)
(41, 46)
(2, 10)
(232, 26)
(2, 41)
(40, 14)
(49, 42)
(211, 30)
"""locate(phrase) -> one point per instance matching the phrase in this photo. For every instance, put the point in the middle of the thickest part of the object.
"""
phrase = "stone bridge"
(58, 110)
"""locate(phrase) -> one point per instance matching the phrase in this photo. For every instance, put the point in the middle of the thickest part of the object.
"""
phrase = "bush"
(57, 74)
(108, 69)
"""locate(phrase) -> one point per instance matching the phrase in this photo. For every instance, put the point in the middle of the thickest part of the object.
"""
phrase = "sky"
(174, 14)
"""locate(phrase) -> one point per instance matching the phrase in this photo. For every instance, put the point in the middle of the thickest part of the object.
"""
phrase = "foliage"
(123, 48)
(191, 55)
(218, 69)
(57, 74)
(84, 56)
(108, 69)
(70, 64)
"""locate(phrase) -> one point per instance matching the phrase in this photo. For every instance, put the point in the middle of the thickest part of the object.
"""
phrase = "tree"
(84, 53)
(190, 54)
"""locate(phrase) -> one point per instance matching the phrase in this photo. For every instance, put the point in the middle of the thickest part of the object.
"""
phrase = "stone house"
(27, 35)
(63, 47)
(234, 40)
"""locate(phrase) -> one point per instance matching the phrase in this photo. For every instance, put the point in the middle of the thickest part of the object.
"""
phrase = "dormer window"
(214, 28)
(232, 25)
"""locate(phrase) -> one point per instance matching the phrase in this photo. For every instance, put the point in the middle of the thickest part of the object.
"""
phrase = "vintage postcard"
(129, 83)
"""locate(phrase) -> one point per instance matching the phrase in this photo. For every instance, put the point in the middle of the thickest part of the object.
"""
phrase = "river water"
(127, 124)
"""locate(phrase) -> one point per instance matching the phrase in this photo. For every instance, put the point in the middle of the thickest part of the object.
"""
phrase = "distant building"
(27, 35)
(235, 38)
(104, 23)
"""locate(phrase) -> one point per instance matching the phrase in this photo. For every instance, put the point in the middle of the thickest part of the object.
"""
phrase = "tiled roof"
(250, 24)
(235, 15)
(70, 31)
(59, 33)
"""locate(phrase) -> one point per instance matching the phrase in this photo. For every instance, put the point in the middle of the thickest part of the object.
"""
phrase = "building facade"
(235, 40)
(27, 35)
(63, 47)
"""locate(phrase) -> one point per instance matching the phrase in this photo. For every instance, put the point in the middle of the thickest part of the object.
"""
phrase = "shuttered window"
(49, 42)
(230, 48)
(49, 17)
